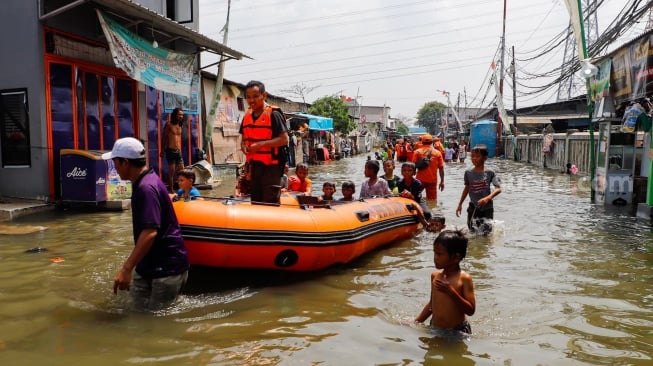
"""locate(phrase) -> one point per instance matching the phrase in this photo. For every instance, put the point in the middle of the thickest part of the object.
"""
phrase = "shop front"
(318, 140)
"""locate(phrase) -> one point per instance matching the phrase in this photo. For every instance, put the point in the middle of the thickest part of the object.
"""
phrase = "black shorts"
(173, 156)
(479, 220)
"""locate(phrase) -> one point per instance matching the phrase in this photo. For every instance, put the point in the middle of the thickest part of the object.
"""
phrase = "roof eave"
(140, 14)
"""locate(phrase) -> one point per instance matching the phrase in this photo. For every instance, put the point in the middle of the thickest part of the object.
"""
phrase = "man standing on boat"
(264, 143)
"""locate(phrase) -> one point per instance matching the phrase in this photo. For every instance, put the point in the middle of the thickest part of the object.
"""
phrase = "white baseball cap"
(126, 148)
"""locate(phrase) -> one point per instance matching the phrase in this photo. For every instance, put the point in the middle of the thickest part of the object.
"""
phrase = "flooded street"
(559, 282)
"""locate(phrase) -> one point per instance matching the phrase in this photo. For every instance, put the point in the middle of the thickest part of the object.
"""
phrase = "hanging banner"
(190, 105)
(600, 84)
(156, 67)
(641, 64)
(621, 75)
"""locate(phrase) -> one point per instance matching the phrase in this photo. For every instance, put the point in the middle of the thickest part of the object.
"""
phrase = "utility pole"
(502, 66)
(513, 69)
(358, 104)
(217, 93)
(514, 90)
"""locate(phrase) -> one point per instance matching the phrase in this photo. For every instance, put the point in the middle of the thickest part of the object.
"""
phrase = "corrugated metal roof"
(136, 12)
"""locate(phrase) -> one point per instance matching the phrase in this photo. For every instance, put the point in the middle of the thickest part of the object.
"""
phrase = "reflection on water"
(558, 282)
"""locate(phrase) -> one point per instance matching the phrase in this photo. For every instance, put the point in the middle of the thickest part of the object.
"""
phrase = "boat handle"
(411, 207)
(363, 216)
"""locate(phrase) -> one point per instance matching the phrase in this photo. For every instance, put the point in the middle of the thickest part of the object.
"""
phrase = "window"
(180, 11)
(14, 127)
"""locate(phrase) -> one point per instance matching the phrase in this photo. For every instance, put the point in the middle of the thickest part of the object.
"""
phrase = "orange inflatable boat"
(228, 233)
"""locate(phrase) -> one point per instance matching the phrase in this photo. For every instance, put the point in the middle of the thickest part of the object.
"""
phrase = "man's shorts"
(151, 294)
(173, 156)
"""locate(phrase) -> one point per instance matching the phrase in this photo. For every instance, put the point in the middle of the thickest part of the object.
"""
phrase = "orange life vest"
(260, 130)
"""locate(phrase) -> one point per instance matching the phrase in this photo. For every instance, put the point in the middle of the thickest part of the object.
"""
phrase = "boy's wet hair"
(408, 164)
(329, 184)
(301, 166)
(188, 174)
(454, 241)
(348, 184)
(481, 149)
(373, 164)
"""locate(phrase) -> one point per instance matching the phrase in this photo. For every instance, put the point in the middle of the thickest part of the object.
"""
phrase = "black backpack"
(424, 162)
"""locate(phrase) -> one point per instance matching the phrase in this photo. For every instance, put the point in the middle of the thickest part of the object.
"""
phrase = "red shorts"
(431, 190)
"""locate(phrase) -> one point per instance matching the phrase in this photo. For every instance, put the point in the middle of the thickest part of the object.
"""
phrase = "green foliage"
(335, 108)
(402, 129)
(429, 116)
(402, 125)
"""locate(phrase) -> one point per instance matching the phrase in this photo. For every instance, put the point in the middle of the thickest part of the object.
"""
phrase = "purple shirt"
(152, 209)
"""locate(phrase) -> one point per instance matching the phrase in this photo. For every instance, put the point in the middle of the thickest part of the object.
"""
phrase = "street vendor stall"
(319, 136)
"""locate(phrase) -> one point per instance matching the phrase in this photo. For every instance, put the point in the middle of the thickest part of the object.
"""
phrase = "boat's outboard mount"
(286, 258)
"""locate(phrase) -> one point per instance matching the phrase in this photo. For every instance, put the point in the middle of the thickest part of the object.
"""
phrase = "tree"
(402, 125)
(430, 116)
(333, 107)
(402, 129)
(300, 90)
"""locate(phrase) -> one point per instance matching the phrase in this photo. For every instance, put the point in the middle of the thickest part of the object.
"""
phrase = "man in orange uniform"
(265, 141)
(400, 151)
(438, 145)
(429, 175)
(418, 144)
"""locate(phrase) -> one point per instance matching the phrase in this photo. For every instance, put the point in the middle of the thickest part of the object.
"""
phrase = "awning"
(317, 123)
(545, 119)
(133, 14)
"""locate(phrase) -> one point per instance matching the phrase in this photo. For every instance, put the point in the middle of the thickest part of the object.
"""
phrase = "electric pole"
(217, 93)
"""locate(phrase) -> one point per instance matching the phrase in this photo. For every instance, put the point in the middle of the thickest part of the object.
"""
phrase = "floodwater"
(559, 282)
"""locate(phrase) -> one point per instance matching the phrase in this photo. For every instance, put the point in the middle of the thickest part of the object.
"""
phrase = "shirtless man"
(172, 145)
(452, 289)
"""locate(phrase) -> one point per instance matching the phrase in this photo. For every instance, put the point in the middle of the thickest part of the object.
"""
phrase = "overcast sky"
(400, 53)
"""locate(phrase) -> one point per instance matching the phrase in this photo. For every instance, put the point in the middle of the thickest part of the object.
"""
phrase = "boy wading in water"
(452, 289)
(480, 212)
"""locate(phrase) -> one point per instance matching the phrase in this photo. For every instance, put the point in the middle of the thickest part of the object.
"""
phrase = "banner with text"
(632, 71)
(641, 64)
(159, 68)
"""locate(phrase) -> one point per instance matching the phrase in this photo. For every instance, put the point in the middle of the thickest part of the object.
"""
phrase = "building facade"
(60, 87)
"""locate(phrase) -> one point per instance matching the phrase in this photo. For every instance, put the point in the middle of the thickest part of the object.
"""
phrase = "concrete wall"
(573, 148)
(21, 66)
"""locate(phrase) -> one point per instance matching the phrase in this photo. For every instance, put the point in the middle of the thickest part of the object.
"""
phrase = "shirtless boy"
(452, 289)
(172, 145)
